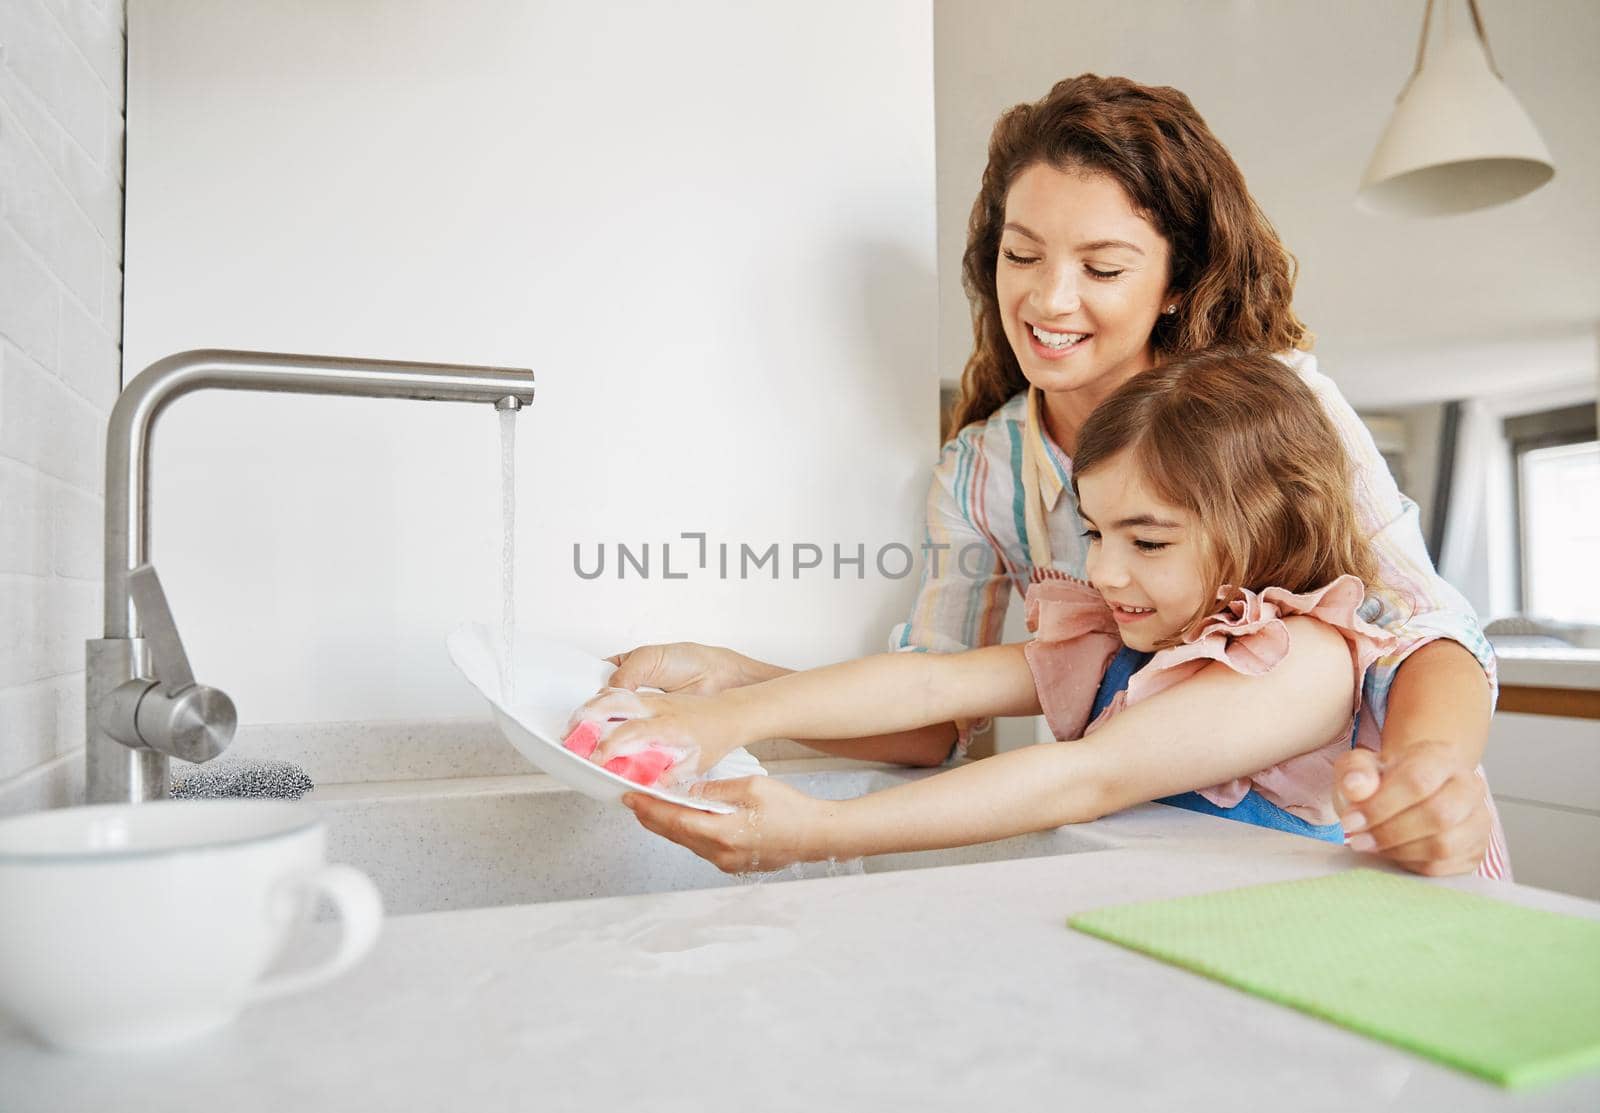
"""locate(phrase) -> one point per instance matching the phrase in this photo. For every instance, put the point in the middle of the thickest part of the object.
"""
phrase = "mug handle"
(360, 910)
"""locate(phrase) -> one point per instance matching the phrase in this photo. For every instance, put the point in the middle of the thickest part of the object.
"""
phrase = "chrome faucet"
(144, 706)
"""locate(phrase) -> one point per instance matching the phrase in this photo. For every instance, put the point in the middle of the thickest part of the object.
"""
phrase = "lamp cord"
(1422, 44)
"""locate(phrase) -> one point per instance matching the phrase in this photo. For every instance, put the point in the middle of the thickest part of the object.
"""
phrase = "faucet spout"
(123, 770)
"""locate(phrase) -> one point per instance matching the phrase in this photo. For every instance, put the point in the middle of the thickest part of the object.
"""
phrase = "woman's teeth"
(1135, 610)
(1057, 339)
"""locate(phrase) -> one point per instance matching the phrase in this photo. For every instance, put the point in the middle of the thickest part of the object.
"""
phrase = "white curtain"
(1479, 548)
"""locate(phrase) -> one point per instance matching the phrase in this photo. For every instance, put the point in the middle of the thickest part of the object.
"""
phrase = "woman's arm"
(1439, 696)
(1431, 699)
(1215, 726)
(924, 746)
(1420, 802)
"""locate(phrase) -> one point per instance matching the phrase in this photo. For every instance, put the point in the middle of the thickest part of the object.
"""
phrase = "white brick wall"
(61, 140)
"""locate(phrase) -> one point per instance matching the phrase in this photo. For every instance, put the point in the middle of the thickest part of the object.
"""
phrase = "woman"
(1113, 230)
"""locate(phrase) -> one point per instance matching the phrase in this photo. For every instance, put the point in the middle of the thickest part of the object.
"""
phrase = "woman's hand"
(774, 827)
(1421, 803)
(1422, 810)
(687, 667)
(703, 729)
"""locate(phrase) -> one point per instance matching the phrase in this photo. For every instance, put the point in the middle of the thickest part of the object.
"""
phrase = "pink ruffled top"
(1075, 638)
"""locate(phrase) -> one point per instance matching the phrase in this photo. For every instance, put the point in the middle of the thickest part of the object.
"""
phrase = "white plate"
(550, 680)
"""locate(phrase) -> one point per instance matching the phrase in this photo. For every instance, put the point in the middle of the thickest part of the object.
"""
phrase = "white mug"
(125, 926)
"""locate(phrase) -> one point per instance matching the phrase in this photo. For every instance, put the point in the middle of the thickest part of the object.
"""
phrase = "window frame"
(1524, 433)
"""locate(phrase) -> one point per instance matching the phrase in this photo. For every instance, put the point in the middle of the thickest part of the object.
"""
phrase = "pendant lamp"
(1458, 139)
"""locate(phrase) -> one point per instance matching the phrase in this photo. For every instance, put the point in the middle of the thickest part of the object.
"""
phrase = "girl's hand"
(774, 827)
(702, 729)
(1421, 811)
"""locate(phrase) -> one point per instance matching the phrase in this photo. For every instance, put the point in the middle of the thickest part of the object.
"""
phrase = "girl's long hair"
(1238, 440)
(1234, 280)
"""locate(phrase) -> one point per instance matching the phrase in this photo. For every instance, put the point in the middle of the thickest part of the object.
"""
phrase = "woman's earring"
(1171, 309)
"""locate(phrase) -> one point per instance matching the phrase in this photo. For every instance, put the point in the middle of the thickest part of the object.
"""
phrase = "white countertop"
(1549, 668)
(958, 988)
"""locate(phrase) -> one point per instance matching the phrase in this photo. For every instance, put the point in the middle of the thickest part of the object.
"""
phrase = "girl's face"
(1081, 280)
(1144, 553)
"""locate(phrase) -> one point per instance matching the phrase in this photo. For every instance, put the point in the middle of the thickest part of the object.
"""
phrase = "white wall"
(709, 228)
(60, 326)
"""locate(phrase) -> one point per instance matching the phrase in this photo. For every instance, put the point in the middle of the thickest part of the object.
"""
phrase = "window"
(1556, 461)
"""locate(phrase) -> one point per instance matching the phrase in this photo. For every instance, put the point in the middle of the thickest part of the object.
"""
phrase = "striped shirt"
(976, 551)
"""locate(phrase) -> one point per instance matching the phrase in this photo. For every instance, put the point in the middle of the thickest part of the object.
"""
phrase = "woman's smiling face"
(1080, 266)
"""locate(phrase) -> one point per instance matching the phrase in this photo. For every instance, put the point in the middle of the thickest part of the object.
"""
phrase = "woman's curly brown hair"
(1234, 280)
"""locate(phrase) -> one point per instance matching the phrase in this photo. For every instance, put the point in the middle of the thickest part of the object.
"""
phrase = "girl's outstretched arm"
(873, 696)
(1213, 727)
(694, 669)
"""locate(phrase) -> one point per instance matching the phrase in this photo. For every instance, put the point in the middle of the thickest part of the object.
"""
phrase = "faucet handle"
(183, 719)
(155, 615)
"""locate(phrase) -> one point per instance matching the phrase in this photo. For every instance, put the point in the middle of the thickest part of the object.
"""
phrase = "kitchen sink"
(433, 845)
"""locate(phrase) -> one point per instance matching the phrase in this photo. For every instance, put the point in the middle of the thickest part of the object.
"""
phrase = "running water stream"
(508, 551)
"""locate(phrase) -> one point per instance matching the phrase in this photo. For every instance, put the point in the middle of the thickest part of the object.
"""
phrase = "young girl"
(1224, 555)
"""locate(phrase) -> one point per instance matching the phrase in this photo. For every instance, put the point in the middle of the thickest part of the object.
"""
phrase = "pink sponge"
(584, 738)
(642, 768)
